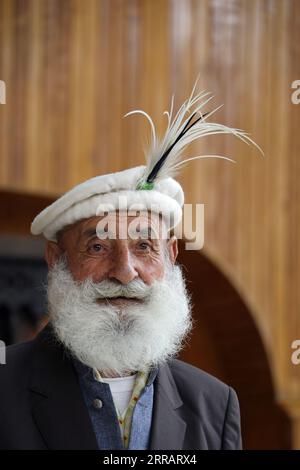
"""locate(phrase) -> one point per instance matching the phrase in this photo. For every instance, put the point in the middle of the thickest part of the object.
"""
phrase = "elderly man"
(103, 374)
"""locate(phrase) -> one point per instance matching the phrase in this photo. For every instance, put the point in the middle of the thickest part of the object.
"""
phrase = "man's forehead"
(151, 218)
(145, 223)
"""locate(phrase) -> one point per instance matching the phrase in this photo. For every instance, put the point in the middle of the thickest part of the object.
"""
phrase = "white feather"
(173, 162)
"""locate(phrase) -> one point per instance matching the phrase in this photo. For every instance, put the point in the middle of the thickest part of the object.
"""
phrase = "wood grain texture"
(73, 69)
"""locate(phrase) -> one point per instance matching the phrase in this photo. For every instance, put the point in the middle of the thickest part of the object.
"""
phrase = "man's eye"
(144, 246)
(96, 248)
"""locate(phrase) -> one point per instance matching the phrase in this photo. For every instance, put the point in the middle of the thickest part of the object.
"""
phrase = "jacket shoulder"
(185, 374)
(201, 391)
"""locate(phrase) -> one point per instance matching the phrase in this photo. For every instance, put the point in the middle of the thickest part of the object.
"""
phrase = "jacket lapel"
(58, 406)
(168, 428)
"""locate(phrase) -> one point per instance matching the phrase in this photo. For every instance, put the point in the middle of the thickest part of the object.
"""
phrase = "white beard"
(119, 340)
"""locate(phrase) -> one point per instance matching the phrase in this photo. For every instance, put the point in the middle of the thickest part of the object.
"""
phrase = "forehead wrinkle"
(154, 227)
(96, 233)
(147, 232)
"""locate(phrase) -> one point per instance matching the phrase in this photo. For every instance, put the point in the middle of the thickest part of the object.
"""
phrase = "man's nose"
(123, 269)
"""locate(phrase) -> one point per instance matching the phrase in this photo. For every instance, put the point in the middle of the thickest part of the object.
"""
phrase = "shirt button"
(97, 403)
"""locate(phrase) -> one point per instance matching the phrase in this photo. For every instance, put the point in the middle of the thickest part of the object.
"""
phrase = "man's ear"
(52, 253)
(172, 246)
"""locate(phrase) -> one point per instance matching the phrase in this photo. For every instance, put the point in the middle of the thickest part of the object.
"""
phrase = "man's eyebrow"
(90, 232)
(93, 232)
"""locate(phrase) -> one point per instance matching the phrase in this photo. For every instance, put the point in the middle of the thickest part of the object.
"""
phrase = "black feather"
(153, 174)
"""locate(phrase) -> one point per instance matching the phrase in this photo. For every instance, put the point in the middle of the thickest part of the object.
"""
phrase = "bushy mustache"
(108, 289)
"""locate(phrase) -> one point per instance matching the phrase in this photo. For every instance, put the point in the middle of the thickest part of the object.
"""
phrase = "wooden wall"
(73, 68)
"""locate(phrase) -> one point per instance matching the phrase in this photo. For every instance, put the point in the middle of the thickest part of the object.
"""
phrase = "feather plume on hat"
(163, 161)
(164, 156)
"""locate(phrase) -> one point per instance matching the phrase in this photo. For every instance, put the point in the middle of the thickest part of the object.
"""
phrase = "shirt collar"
(88, 372)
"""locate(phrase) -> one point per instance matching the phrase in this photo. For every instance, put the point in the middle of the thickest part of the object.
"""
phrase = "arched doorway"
(226, 343)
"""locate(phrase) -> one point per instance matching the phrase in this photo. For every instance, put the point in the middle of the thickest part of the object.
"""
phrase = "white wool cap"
(114, 191)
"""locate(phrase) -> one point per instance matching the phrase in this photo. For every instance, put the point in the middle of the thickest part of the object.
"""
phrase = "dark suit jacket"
(41, 405)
